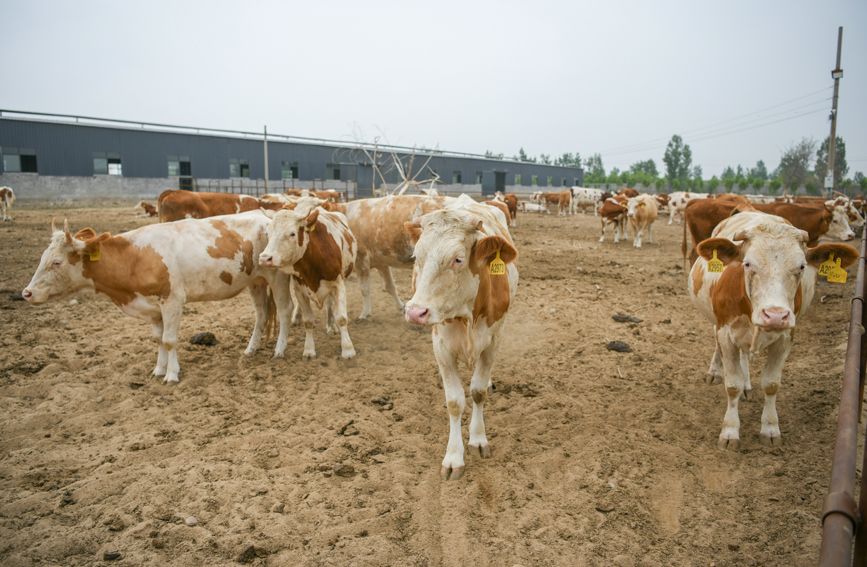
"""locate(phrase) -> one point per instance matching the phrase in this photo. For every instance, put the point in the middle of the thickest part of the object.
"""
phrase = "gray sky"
(548, 76)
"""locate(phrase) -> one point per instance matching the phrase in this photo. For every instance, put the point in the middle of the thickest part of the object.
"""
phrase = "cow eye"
(291, 235)
(458, 261)
(57, 262)
(747, 265)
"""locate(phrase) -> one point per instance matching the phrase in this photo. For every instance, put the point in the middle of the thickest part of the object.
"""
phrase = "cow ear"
(829, 206)
(311, 218)
(268, 212)
(412, 230)
(726, 250)
(85, 234)
(820, 254)
(90, 244)
(487, 248)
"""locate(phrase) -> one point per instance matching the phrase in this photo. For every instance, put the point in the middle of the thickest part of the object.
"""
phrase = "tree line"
(802, 163)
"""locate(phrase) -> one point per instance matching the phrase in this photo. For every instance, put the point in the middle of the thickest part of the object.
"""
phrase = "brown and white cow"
(464, 280)
(583, 197)
(677, 203)
(511, 201)
(564, 204)
(175, 204)
(766, 285)
(145, 210)
(628, 192)
(613, 211)
(7, 199)
(151, 272)
(732, 198)
(318, 250)
(662, 201)
(642, 212)
(546, 198)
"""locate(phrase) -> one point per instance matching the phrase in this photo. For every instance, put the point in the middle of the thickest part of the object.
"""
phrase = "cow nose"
(264, 261)
(27, 295)
(776, 317)
(850, 236)
(417, 315)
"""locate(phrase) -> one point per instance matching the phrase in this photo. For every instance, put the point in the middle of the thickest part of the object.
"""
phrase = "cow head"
(450, 251)
(837, 218)
(287, 238)
(60, 270)
(773, 259)
(633, 205)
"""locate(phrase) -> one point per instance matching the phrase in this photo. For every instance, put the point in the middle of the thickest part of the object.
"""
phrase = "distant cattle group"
(752, 266)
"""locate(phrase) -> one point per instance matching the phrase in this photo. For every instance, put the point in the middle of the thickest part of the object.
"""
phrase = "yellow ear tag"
(827, 267)
(498, 267)
(94, 255)
(312, 228)
(715, 265)
(641, 205)
(838, 274)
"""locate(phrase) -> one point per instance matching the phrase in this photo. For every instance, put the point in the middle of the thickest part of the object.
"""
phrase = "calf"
(677, 203)
(767, 283)
(642, 212)
(628, 192)
(318, 250)
(613, 211)
(662, 201)
(464, 279)
(151, 272)
(511, 201)
(176, 205)
(563, 204)
(545, 199)
(145, 210)
(7, 199)
(583, 197)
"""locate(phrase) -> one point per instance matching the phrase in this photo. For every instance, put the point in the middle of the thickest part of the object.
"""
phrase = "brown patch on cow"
(174, 205)
(730, 299)
(479, 396)
(124, 270)
(798, 300)
(697, 280)
(820, 254)
(500, 205)
(226, 277)
(771, 388)
(321, 260)
(493, 297)
(228, 244)
(628, 192)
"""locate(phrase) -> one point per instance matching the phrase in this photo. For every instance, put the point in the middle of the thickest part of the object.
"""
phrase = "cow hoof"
(746, 394)
(367, 317)
(308, 355)
(729, 444)
(170, 381)
(348, 353)
(771, 441)
(711, 379)
(483, 452)
(448, 473)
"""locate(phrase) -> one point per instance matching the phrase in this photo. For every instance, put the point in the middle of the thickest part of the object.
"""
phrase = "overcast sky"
(739, 80)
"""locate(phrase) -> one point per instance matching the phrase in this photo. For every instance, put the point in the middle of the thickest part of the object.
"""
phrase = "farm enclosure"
(599, 457)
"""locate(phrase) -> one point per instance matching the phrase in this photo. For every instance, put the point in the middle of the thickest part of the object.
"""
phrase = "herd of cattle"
(753, 269)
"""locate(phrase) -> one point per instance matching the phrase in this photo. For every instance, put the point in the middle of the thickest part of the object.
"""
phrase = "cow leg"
(307, 317)
(162, 354)
(259, 295)
(281, 292)
(293, 298)
(745, 369)
(347, 350)
(715, 372)
(172, 309)
(479, 388)
(362, 268)
(772, 375)
(602, 238)
(390, 288)
(729, 438)
(649, 234)
(330, 325)
(453, 463)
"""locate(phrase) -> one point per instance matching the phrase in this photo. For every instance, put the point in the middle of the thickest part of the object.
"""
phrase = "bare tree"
(797, 162)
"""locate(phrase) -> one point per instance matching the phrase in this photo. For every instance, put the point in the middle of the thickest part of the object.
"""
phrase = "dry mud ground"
(599, 458)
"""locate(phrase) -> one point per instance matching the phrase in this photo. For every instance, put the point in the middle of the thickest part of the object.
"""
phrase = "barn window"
(19, 160)
(107, 163)
(332, 171)
(563, 181)
(239, 167)
(289, 169)
(479, 177)
(577, 183)
(517, 179)
(179, 166)
(456, 177)
(535, 180)
(550, 180)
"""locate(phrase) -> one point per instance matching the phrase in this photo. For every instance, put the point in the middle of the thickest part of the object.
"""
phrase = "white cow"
(583, 197)
(677, 203)
(7, 199)
(642, 212)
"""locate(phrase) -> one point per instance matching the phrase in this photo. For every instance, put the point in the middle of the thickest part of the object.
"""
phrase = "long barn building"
(67, 157)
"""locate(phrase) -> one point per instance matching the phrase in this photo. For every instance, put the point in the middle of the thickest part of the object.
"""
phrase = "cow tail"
(270, 316)
(683, 244)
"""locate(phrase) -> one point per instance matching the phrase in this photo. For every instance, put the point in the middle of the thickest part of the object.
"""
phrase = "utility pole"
(837, 74)
(266, 151)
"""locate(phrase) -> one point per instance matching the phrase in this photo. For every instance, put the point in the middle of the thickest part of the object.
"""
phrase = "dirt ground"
(599, 458)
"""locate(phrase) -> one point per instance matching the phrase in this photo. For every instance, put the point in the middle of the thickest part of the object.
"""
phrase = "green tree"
(546, 159)
(697, 172)
(659, 184)
(774, 186)
(594, 169)
(491, 155)
(796, 163)
(727, 173)
(729, 183)
(647, 167)
(677, 159)
(841, 168)
(760, 171)
(697, 183)
(712, 185)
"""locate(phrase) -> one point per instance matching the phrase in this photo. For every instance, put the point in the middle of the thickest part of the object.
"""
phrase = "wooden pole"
(832, 146)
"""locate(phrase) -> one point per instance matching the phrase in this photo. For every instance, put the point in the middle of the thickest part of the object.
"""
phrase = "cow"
(764, 287)
(732, 198)
(318, 250)
(500, 206)
(628, 192)
(281, 198)
(677, 203)
(145, 210)
(511, 201)
(464, 280)
(828, 222)
(613, 211)
(583, 197)
(662, 201)
(563, 205)
(174, 205)
(151, 272)
(327, 194)
(641, 212)
(547, 198)
(532, 207)
(7, 199)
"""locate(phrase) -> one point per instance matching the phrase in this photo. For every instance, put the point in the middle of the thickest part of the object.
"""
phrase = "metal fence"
(257, 187)
(842, 518)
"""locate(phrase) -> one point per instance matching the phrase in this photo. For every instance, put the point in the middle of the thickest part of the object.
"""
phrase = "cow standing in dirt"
(641, 212)
(753, 300)
(464, 280)
(174, 205)
(151, 272)
(7, 199)
(613, 211)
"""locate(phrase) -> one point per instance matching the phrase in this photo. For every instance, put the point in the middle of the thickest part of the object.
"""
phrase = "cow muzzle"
(266, 261)
(417, 315)
(776, 319)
